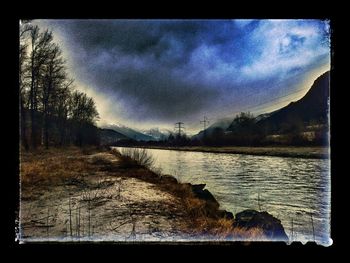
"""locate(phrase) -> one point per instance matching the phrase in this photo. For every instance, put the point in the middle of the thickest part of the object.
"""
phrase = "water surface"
(295, 190)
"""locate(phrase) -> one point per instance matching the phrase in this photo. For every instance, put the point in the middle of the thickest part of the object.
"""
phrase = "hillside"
(300, 122)
(313, 107)
(222, 123)
(108, 136)
(129, 133)
(157, 134)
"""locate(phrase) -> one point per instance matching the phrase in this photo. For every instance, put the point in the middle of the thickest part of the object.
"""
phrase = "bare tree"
(53, 78)
(62, 110)
(57, 114)
(83, 113)
(23, 31)
(40, 49)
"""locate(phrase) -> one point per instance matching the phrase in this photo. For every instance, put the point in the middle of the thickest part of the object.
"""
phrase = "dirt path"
(101, 205)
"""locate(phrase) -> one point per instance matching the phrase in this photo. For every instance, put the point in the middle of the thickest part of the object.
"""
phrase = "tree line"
(245, 130)
(52, 112)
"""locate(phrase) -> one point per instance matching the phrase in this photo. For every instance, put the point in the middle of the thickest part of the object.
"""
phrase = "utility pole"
(179, 126)
(205, 121)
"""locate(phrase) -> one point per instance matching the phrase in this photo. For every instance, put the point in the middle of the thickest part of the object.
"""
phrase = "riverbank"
(285, 151)
(98, 195)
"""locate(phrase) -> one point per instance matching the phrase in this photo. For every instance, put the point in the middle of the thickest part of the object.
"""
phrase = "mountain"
(313, 107)
(223, 123)
(130, 133)
(158, 134)
(109, 136)
(263, 116)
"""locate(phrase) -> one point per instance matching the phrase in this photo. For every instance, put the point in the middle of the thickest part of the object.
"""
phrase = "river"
(295, 190)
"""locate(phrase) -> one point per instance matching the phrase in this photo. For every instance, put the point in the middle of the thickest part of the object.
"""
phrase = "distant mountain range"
(129, 133)
(157, 134)
(109, 136)
(222, 123)
(312, 107)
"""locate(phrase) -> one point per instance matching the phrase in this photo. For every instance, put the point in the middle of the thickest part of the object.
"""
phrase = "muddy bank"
(72, 195)
(99, 205)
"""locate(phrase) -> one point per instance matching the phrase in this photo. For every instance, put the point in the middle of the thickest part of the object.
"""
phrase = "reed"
(70, 218)
(313, 228)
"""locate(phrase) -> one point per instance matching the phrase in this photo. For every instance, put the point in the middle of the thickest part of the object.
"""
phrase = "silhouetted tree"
(62, 109)
(244, 130)
(24, 29)
(84, 114)
(40, 48)
(53, 78)
(57, 114)
(243, 123)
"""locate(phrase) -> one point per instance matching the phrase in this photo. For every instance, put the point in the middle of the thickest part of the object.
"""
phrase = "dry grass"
(201, 222)
(252, 234)
(135, 157)
(47, 167)
(44, 168)
(202, 219)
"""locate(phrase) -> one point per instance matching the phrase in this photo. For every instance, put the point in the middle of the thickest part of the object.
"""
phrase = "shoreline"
(311, 152)
(116, 190)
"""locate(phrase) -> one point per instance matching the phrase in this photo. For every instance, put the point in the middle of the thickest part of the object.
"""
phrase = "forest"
(52, 111)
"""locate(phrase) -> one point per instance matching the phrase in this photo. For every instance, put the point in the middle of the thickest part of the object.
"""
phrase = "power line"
(283, 81)
(205, 121)
(276, 84)
(257, 106)
(179, 127)
(274, 99)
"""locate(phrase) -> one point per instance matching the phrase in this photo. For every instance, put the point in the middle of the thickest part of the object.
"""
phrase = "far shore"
(310, 152)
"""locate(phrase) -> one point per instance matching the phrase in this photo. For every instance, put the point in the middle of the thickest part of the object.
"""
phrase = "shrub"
(139, 156)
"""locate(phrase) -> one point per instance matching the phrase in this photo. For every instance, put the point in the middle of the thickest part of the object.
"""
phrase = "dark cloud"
(163, 69)
(131, 36)
(152, 37)
(164, 97)
(136, 60)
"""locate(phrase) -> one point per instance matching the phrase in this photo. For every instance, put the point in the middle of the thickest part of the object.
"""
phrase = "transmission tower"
(205, 121)
(179, 127)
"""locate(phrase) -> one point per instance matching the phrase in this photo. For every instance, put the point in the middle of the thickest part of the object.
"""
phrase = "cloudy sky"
(153, 73)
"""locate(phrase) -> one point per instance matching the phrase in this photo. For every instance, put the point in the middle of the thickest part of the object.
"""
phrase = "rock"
(198, 192)
(225, 214)
(270, 225)
(168, 179)
(198, 187)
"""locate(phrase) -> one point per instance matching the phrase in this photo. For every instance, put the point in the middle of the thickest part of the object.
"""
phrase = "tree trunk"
(46, 113)
(23, 127)
(32, 114)
(62, 129)
(46, 131)
(32, 119)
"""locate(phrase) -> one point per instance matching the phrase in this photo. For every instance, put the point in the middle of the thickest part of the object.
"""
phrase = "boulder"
(205, 195)
(225, 214)
(198, 187)
(270, 225)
